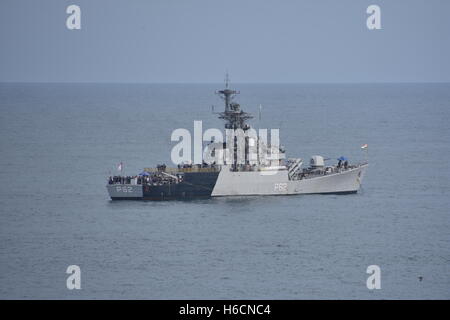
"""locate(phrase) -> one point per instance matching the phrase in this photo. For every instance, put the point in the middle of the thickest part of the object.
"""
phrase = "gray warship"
(251, 177)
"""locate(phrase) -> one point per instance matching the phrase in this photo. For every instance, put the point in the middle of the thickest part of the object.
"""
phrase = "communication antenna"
(227, 80)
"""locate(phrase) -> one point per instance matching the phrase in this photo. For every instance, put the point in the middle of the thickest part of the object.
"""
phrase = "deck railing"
(192, 169)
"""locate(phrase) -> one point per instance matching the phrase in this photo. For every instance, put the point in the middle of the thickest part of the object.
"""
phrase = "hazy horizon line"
(222, 83)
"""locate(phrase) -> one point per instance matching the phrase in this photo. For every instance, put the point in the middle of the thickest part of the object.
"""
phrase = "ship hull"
(195, 185)
(277, 183)
(198, 185)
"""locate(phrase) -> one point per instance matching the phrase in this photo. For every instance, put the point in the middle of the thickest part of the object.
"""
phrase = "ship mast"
(235, 118)
(233, 115)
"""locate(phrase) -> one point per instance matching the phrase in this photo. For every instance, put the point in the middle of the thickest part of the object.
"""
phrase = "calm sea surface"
(59, 142)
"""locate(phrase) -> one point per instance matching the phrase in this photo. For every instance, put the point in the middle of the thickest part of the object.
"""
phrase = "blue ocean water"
(59, 142)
